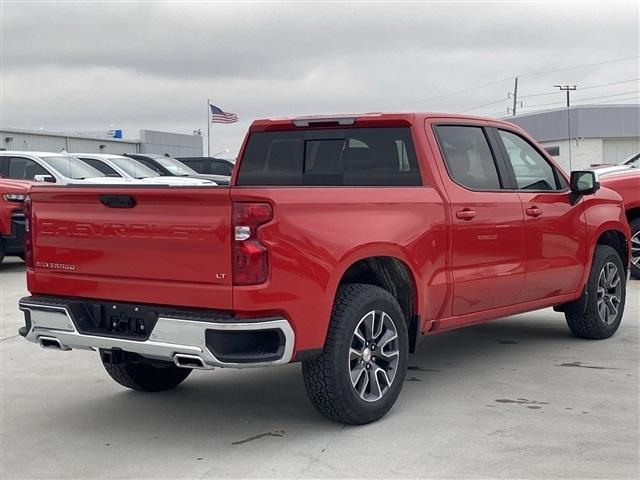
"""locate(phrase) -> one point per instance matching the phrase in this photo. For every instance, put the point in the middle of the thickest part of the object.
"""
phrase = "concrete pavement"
(518, 397)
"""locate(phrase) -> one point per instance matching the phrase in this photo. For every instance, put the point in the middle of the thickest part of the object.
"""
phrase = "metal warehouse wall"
(175, 144)
(587, 121)
(49, 142)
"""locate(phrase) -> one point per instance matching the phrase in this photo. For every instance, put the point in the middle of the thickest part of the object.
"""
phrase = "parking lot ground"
(517, 397)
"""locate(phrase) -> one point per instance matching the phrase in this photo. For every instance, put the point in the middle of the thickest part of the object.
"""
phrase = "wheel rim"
(609, 293)
(374, 355)
(635, 249)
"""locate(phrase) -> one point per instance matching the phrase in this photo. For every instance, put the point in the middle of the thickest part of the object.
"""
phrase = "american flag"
(218, 116)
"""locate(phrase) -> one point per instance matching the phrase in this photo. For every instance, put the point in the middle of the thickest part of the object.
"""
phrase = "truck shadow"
(239, 407)
(12, 265)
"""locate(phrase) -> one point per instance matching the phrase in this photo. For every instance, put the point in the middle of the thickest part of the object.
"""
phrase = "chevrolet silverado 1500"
(340, 243)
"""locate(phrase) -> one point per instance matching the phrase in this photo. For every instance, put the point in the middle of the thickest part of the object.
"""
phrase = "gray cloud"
(73, 66)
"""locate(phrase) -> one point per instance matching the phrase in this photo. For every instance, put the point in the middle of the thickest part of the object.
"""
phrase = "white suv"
(51, 167)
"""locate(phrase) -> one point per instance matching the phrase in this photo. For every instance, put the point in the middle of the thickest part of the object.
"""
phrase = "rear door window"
(331, 157)
(100, 166)
(468, 157)
(220, 168)
(21, 168)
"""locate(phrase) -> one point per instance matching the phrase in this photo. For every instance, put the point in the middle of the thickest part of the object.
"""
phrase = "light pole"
(568, 89)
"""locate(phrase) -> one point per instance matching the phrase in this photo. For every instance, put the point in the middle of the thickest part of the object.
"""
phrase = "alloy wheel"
(374, 355)
(609, 293)
(635, 249)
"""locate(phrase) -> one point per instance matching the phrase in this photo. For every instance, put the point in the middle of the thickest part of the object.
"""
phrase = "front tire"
(359, 375)
(635, 248)
(605, 297)
(146, 377)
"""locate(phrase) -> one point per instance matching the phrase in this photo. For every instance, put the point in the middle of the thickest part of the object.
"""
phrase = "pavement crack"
(580, 365)
(522, 401)
(8, 338)
(422, 369)
(275, 433)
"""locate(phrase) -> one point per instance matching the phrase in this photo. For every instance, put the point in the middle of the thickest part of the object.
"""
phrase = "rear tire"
(605, 291)
(359, 375)
(635, 248)
(147, 377)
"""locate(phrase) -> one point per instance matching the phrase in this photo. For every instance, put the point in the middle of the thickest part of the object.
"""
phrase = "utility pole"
(208, 128)
(568, 89)
(514, 94)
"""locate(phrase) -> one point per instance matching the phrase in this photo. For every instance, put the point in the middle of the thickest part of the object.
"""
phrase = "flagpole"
(208, 128)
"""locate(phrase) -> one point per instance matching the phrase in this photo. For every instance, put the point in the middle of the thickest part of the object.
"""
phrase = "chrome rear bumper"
(178, 340)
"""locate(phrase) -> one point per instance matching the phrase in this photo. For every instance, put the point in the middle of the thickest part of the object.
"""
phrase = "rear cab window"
(330, 157)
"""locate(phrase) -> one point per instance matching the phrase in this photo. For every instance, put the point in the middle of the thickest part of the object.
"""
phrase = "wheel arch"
(617, 240)
(632, 213)
(394, 274)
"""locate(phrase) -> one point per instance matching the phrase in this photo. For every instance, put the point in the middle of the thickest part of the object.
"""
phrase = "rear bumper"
(188, 342)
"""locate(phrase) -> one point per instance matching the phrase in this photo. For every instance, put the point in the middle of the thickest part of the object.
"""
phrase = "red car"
(627, 184)
(12, 195)
(340, 243)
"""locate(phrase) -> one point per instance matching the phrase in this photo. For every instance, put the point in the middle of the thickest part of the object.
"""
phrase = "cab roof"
(366, 119)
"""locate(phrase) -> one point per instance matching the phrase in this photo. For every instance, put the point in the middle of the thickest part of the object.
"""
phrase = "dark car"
(165, 165)
(209, 165)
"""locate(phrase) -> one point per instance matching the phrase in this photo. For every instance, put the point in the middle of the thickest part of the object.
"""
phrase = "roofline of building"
(573, 107)
(26, 131)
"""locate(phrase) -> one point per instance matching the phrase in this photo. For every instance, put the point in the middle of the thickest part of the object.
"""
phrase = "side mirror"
(583, 182)
(44, 178)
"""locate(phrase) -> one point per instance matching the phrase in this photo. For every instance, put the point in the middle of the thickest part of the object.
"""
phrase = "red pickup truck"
(12, 194)
(340, 243)
(627, 184)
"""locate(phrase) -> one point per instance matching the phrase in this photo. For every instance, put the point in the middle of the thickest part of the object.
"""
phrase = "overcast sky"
(80, 66)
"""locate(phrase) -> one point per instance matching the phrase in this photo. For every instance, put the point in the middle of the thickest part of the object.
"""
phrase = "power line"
(580, 100)
(589, 87)
(452, 93)
(606, 102)
(481, 106)
(554, 103)
(580, 66)
(496, 82)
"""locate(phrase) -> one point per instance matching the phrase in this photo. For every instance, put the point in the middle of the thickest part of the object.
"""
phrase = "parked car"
(400, 226)
(50, 167)
(125, 167)
(12, 195)
(210, 165)
(633, 161)
(165, 165)
(627, 184)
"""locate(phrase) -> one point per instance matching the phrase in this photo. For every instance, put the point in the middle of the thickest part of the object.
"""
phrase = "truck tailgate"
(159, 245)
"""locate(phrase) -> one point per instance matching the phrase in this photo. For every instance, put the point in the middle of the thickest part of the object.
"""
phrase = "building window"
(554, 151)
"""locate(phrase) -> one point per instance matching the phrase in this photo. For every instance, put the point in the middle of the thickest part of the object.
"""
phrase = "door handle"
(466, 214)
(534, 211)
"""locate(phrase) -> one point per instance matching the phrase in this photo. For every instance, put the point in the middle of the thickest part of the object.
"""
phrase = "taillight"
(250, 257)
(28, 229)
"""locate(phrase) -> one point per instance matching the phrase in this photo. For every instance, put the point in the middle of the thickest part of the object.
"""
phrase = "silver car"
(118, 166)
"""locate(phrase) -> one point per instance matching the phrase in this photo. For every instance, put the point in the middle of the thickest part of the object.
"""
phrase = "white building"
(599, 133)
(150, 141)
